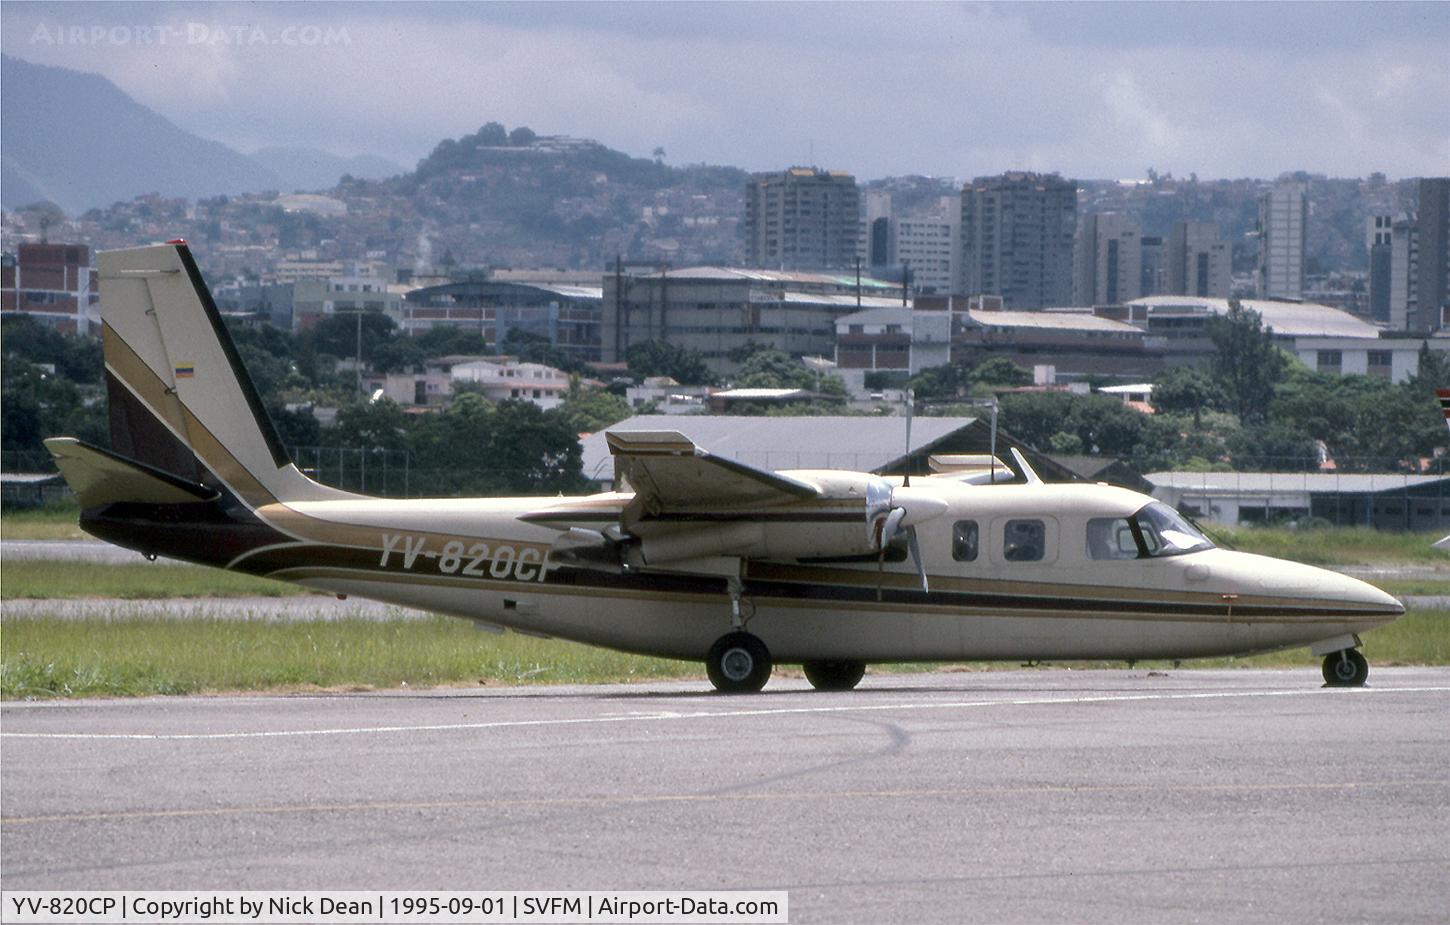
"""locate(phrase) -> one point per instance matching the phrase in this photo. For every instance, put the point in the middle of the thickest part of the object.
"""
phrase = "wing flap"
(669, 472)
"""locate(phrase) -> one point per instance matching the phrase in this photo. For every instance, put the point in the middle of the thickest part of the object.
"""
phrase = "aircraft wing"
(669, 472)
(688, 505)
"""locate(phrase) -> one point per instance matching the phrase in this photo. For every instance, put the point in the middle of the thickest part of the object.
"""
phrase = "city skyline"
(1083, 90)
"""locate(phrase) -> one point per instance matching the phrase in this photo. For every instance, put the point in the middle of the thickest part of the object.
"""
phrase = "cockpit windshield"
(1166, 533)
(1154, 531)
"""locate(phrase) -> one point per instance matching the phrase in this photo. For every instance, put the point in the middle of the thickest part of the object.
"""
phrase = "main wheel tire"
(832, 675)
(738, 663)
(1346, 668)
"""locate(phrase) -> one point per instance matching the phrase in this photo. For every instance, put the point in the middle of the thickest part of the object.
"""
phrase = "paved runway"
(1051, 795)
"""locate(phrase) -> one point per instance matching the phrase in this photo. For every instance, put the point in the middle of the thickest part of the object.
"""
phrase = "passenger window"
(1024, 541)
(964, 541)
(1111, 538)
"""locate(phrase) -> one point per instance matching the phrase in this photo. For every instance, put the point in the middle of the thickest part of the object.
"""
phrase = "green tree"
(1064, 444)
(1246, 363)
(1273, 448)
(592, 410)
(942, 383)
(381, 424)
(514, 447)
(446, 340)
(535, 348)
(74, 356)
(1000, 371)
(337, 335)
(39, 404)
(774, 369)
(1187, 390)
(1102, 424)
(658, 358)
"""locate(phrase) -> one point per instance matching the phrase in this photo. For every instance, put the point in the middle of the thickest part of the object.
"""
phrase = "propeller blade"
(892, 525)
(915, 546)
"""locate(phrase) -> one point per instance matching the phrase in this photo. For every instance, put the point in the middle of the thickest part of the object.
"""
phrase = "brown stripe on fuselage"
(900, 580)
(1042, 608)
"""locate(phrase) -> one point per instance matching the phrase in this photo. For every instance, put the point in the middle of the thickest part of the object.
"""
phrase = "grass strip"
(55, 522)
(1332, 545)
(1439, 587)
(44, 657)
(51, 579)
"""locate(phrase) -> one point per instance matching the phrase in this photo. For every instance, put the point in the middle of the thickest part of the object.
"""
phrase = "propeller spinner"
(891, 511)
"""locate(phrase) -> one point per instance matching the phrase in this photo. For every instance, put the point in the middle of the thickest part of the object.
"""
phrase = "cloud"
(945, 89)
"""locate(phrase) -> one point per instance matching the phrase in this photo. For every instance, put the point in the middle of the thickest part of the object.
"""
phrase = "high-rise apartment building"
(875, 246)
(1404, 272)
(1017, 239)
(1107, 260)
(1198, 263)
(1151, 281)
(1377, 241)
(1432, 279)
(930, 247)
(802, 219)
(1283, 220)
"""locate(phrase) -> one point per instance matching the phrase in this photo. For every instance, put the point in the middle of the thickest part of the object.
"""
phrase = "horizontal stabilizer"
(100, 477)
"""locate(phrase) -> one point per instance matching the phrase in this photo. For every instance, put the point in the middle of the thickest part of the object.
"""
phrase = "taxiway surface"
(1050, 795)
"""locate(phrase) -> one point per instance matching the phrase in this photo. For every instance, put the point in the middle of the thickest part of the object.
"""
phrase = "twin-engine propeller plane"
(696, 557)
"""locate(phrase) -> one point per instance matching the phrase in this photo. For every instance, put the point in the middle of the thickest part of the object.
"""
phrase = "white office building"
(1283, 219)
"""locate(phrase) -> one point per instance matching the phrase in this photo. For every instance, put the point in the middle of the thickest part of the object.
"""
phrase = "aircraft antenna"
(910, 406)
(993, 450)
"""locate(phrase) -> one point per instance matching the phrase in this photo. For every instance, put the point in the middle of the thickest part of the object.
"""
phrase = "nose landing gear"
(1345, 668)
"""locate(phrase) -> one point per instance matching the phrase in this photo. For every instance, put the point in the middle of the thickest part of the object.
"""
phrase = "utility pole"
(357, 313)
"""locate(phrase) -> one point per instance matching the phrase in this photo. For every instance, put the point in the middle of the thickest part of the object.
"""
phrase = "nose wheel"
(1345, 668)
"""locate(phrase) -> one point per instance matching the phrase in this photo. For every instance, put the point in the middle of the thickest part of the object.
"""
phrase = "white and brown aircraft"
(699, 557)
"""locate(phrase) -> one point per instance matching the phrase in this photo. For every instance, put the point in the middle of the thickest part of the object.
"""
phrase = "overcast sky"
(1089, 90)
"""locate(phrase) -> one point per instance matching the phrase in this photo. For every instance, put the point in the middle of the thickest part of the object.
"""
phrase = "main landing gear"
(738, 662)
(1345, 668)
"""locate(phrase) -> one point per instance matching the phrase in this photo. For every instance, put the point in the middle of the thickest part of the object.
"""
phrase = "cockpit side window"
(1024, 540)
(1166, 533)
(1111, 538)
(964, 541)
(1156, 530)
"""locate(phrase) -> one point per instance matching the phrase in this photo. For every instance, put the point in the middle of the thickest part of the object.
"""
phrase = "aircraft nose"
(1337, 594)
(1341, 590)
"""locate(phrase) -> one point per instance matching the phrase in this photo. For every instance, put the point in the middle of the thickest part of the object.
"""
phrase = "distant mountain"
(77, 140)
(311, 169)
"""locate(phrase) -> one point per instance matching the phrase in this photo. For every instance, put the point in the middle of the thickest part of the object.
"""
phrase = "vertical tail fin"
(180, 399)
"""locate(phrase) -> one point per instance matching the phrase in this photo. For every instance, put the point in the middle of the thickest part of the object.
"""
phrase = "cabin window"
(1111, 538)
(964, 541)
(1024, 541)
